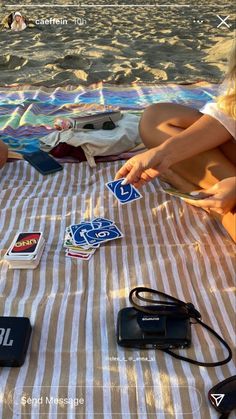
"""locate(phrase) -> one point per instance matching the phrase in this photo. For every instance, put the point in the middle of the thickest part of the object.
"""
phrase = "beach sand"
(116, 45)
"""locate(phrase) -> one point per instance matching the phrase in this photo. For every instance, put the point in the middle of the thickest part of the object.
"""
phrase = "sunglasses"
(108, 125)
(223, 397)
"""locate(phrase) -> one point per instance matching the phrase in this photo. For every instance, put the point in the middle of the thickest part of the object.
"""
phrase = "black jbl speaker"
(14, 340)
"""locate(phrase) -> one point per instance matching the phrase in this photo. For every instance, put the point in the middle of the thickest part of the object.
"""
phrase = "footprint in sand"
(74, 62)
(12, 62)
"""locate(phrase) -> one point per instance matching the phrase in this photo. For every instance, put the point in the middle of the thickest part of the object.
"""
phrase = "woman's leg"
(163, 120)
(229, 150)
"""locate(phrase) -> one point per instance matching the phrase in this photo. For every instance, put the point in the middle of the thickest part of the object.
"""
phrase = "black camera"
(164, 325)
(136, 329)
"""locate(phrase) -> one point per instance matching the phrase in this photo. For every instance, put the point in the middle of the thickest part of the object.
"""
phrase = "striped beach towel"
(74, 368)
(27, 113)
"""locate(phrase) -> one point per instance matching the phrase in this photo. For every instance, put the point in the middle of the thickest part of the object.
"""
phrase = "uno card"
(25, 245)
(78, 256)
(78, 231)
(184, 195)
(103, 222)
(101, 235)
(68, 238)
(124, 193)
(26, 262)
(80, 249)
(68, 241)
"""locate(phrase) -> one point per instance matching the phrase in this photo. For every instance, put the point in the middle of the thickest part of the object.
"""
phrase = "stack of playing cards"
(83, 239)
(25, 251)
(184, 195)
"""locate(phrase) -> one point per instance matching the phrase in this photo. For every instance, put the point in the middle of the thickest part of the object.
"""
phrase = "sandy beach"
(120, 45)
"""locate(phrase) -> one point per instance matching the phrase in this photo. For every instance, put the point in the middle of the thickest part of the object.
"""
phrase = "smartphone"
(43, 162)
(186, 195)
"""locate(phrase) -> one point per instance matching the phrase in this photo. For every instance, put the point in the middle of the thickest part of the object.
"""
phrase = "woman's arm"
(3, 153)
(205, 134)
(221, 202)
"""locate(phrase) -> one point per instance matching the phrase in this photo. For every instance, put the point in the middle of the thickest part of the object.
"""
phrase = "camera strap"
(186, 310)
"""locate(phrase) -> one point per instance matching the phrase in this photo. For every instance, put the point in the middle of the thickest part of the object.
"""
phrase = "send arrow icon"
(218, 398)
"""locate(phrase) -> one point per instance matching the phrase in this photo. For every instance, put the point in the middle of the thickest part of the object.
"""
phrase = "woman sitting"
(192, 149)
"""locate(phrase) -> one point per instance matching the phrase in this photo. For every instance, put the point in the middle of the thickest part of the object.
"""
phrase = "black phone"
(43, 162)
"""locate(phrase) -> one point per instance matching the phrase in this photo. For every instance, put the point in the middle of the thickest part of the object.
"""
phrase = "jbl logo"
(4, 337)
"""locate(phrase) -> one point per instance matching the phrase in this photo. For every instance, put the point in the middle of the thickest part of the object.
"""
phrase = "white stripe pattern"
(73, 305)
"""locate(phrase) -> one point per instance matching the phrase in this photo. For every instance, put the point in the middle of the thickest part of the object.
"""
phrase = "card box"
(28, 246)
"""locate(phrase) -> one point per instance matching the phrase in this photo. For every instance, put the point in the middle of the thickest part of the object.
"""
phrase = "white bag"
(98, 142)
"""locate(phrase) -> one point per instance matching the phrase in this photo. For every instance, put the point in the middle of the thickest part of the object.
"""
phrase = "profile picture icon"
(18, 22)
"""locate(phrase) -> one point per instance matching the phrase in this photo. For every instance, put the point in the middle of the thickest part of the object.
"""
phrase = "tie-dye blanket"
(27, 113)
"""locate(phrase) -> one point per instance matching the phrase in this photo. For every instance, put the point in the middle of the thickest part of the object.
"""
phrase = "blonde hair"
(227, 102)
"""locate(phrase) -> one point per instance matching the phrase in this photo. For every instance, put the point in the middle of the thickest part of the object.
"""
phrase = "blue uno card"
(78, 231)
(100, 235)
(124, 193)
(103, 222)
